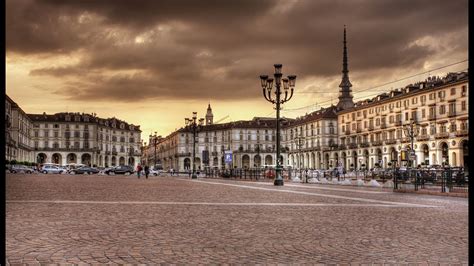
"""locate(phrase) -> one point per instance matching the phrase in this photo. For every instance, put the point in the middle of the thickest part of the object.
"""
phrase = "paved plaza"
(121, 219)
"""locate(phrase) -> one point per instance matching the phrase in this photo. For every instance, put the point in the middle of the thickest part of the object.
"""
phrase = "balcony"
(461, 133)
(377, 143)
(442, 135)
(431, 117)
(423, 137)
(390, 141)
(398, 123)
(214, 153)
(347, 132)
(352, 146)
(371, 127)
(451, 113)
(342, 147)
(358, 130)
(405, 140)
(364, 145)
(114, 152)
(184, 154)
(383, 126)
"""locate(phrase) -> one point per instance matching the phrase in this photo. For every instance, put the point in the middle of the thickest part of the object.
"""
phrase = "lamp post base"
(194, 176)
(278, 182)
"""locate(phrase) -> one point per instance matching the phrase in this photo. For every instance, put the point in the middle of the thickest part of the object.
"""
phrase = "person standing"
(139, 169)
(147, 171)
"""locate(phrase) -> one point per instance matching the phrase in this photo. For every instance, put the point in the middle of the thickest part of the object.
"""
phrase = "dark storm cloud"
(217, 49)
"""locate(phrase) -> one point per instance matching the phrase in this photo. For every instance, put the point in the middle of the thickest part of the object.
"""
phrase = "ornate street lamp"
(412, 130)
(195, 127)
(155, 140)
(267, 86)
(299, 141)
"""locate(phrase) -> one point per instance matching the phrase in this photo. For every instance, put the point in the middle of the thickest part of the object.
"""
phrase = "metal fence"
(452, 180)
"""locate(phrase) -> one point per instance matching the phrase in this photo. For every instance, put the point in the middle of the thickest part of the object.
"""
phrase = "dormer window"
(68, 118)
(77, 118)
(122, 126)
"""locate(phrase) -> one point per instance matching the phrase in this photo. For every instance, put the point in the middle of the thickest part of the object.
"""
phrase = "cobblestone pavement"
(122, 219)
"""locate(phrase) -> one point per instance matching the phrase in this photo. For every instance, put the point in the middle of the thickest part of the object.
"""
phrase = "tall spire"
(345, 96)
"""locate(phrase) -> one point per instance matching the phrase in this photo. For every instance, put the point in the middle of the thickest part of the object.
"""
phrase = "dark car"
(85, 169)
(120, 170)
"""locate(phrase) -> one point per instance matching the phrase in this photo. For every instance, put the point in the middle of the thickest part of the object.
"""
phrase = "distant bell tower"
(209, 115)
(345, 93)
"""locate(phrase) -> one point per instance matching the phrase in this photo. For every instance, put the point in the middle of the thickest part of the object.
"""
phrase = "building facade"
(251, 142)
(17, 133)
(374, 130)
(65, 138)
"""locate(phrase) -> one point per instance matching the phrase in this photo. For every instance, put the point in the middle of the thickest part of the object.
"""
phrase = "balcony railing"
(377, 143)
(214, 153)
(461, 133)
(364, 144)
(342, 147)
(348, 132)
(359, 130)
(451, 113)
(114, 153)
(383, 126)
(371, 127)
(398, 123)
(352, 146)
(184, 154)
(390, 141)
(423, 137)
(442, 135)
(405, 140)
(431, 117)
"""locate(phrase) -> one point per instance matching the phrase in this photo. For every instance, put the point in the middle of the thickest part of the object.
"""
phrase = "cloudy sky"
(153, 63)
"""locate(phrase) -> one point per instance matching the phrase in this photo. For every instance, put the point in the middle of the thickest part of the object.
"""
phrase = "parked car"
(121, 169)
(84, 169)
(20, 169)
(47, 169)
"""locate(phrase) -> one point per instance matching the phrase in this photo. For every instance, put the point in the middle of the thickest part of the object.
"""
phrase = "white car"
(47, 169)
(153, 172)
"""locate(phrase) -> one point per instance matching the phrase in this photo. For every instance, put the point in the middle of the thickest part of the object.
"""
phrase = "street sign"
(228, 156)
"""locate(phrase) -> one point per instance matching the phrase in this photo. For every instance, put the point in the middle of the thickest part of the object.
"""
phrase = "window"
(453, 127)
(442, 109)
(453, 91)
(443, 128)
(77, 134)
(56, 134)
(463, 91)
(56, 126)
(76, 144)
(390, 119)
(46, 133)
(463, 105)
(423, 113)
(452, 108)
(36, 133)
(56, 145)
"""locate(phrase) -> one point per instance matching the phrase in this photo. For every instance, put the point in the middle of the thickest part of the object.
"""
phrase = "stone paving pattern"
(44, 233)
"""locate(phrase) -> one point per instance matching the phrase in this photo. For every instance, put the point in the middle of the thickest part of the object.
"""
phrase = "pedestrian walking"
(147, 171)
(139, 169)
